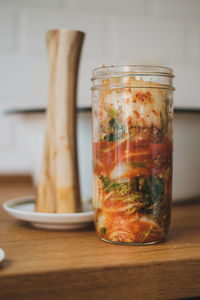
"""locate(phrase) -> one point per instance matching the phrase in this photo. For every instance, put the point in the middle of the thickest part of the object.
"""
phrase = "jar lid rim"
(132, 69)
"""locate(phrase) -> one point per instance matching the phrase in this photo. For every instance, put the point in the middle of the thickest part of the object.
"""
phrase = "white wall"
(163, 32)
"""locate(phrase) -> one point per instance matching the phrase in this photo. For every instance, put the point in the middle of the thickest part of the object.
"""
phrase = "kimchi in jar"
(132, 153)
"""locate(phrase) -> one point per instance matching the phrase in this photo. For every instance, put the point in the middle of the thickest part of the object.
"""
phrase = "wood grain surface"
(58, 189)
(76, 265)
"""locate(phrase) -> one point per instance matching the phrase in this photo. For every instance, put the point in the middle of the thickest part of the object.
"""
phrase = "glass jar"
(132, 153)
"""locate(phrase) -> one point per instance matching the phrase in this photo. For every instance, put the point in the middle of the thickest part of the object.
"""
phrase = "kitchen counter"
(77, 265)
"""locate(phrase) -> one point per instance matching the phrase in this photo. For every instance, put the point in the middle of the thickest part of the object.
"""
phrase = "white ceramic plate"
(24, 209)
(2, 255)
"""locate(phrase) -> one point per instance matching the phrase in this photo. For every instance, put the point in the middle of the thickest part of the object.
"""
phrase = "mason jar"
(132, 153)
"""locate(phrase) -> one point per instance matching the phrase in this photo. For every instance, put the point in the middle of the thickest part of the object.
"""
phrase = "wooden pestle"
(58, 188)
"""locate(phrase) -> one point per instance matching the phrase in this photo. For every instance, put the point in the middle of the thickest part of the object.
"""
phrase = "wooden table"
(76, 265)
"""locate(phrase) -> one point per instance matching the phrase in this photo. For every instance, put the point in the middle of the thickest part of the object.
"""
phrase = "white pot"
(186, 174)
(186, 166)
(186, 162)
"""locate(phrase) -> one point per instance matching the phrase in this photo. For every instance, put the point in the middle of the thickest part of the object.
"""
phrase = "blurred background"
(156, 32)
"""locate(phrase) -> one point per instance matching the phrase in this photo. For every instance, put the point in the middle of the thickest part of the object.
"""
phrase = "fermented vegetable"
(132, 160)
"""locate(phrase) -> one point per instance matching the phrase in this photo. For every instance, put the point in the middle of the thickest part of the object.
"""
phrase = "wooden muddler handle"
(58, 189)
